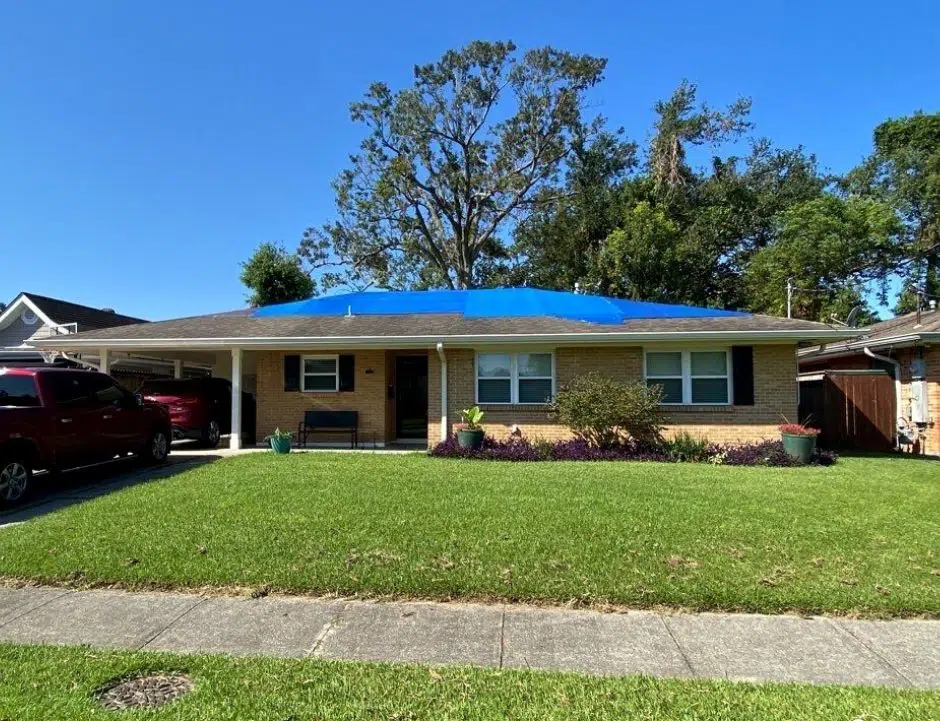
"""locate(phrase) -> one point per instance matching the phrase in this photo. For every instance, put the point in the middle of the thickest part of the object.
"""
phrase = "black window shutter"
(347, 372)
(292, 373)
(742, 366)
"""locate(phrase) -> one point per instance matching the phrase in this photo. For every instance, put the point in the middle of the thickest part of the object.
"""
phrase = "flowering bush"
(798, 429)
(767, 453)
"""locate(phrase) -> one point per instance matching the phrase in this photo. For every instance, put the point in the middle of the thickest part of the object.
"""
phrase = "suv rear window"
(170, 388)
(18, 392)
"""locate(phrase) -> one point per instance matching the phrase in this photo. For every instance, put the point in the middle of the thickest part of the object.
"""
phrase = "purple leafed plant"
(766, 453)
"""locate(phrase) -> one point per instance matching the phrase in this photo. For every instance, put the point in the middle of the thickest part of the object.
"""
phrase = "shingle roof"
(86, 317)
(907, 327)
(243, 324)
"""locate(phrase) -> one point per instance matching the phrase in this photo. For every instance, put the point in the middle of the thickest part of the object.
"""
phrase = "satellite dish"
(852, 320)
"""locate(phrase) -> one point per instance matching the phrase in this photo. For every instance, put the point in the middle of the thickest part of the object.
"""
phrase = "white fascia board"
(302, 342)
(23, 300)
(895, 341)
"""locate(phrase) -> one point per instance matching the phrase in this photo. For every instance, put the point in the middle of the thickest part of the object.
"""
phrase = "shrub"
(605, 412)
(686, 447)
(798, 429)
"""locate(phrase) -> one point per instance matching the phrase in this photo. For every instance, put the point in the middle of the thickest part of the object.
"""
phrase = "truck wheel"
(16, 479)
(211, 434)
(157, 448)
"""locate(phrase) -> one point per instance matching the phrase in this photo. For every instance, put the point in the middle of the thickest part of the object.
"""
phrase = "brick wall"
(930, 439)
(775, 395)
(280, 409)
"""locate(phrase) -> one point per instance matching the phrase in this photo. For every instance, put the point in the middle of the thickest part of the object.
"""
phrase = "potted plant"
(280, 441)
(799, 440)
(469, 432)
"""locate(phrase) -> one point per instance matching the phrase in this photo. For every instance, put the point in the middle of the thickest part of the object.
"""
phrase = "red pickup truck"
(57, 419)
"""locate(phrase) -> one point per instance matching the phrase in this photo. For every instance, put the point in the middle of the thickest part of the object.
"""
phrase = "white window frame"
(686, 355)
(513, 375)
(304, 374)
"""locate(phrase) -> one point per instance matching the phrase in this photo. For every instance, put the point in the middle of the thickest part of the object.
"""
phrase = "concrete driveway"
(52, 493)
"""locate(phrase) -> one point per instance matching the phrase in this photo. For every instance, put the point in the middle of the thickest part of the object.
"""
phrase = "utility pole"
(789, 297)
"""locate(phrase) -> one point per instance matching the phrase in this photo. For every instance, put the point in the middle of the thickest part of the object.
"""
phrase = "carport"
(233, 364)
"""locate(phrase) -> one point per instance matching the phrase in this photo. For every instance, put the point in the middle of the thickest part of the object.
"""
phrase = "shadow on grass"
(54, 492)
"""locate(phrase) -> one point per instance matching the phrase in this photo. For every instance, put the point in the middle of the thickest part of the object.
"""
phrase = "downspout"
(440, 354)
(897, 387)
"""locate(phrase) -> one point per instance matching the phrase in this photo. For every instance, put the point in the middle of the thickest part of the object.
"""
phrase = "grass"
(47, 683)
(862, 536)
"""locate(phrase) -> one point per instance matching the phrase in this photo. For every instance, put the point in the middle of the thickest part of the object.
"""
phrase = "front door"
(411, 397)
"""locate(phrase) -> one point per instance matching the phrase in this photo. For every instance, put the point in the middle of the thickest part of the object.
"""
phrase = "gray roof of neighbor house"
(246, 329)
(85, 317)
(905, 330)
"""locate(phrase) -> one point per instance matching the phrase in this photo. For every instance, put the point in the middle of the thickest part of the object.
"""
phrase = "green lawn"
(863, 535)
(46, 683)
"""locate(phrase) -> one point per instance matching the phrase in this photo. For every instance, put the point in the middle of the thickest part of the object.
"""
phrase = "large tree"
(904, 170)
(448, 164)
(275, 276)
(831, 248)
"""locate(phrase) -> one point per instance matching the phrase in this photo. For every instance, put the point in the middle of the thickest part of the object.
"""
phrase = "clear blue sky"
(147, 148)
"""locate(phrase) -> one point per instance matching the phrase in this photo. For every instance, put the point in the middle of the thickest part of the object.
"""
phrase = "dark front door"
(411, 396)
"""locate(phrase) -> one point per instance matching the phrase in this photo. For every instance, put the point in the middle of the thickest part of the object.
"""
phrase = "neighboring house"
(408, 362)
(31, 317)
(908, 349)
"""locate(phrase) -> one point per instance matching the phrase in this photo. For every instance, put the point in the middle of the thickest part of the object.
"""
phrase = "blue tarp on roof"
(491, 303)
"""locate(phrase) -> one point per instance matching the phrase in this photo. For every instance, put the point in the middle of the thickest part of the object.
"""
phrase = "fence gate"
(853, 408)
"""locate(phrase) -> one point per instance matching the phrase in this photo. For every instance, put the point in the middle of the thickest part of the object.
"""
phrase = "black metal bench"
(330, 422)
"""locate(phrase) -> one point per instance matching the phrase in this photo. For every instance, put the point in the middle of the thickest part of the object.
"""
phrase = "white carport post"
(235, 440)
(177, 368)
(104, 360)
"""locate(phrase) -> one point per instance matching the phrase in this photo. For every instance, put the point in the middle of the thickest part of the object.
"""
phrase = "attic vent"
(108, 310)
(29, 318)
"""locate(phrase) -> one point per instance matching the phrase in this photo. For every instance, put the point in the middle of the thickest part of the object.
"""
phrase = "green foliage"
(480, 135)
(904, 171)
(688, 448)
(823, 245)
(275, 276)
(472, 418)
(604, 411)
(278, 434)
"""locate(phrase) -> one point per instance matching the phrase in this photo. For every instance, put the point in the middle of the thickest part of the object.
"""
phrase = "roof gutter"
(895, 341)
(420, 341)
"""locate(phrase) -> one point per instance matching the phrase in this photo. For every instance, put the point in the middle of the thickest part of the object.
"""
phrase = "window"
(104, 391)
(69, 390)
(690, 377)
(515, 377)
(18, 392)
(320, 373)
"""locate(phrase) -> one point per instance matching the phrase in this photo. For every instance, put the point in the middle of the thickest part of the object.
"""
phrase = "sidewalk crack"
(36, 608)
(868, 647)
(176, 620)
(685, 658)
(502, 637)
(330, 625)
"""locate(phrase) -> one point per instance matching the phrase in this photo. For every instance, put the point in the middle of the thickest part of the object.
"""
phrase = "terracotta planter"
(470, 439)
(280, 445)
(799, 447)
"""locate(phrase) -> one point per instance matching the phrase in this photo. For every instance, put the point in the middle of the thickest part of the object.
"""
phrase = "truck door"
(76, 421)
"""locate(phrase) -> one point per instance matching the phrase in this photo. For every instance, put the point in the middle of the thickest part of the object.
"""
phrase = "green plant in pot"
(799, 440)
(280, 441)
(470, 432)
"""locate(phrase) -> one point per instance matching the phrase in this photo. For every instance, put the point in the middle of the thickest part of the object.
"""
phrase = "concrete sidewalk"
(733, 646)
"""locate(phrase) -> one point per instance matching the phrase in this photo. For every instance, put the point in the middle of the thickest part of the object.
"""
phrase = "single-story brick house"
(408, 362)
(908, 349)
